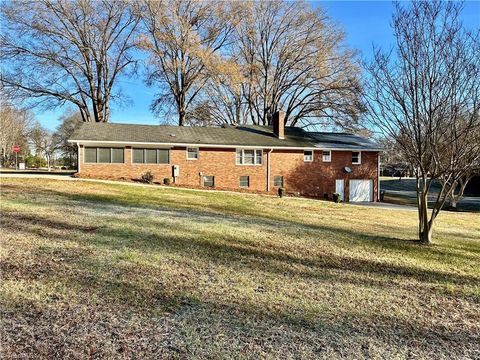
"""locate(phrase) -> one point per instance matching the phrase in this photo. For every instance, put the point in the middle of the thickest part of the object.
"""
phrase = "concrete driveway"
(403, 192)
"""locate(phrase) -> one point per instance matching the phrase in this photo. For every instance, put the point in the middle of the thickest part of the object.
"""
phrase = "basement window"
(244, 181)
(308, 156)
(209, 181)
(356, 157)
(278, 181)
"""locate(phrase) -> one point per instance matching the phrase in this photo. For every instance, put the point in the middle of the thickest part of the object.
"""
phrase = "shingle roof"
(229, 136)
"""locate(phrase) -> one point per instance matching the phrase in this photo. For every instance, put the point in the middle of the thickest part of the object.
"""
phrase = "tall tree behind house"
(67, 52)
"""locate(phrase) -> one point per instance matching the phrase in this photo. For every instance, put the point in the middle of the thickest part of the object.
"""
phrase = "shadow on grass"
(156, 236)
(127, 287)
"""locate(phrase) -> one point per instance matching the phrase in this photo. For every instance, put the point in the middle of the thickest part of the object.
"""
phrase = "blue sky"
(364, 22)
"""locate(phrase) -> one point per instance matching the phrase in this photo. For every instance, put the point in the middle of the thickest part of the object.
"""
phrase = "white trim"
(305, 160)
(191, 147)
(359, 158)
(132, 143)
(329, 156)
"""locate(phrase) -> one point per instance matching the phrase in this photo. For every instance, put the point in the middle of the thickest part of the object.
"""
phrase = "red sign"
(16, 148)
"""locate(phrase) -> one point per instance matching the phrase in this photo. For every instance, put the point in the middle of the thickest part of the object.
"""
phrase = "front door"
(339, 187)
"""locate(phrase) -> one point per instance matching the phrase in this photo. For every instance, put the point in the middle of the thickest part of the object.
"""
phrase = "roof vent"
(173, 135)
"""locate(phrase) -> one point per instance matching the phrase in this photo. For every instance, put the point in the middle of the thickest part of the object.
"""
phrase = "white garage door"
(361, 190)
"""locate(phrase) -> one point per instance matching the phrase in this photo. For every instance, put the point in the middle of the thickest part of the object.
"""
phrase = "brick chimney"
(279, 124)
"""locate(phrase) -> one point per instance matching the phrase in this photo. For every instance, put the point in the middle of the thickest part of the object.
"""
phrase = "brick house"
(251, 158)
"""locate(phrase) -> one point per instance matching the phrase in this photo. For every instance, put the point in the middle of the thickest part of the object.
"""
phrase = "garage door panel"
(360, 190)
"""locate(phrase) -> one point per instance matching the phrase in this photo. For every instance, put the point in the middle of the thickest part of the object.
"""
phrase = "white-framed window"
(308, 156)
(249, 157)
(278, 181)
(244, 181)
(192, 153)
(326, 156)
(356, 157)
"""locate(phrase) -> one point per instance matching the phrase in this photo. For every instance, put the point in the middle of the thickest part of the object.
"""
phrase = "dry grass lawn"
(92, 270)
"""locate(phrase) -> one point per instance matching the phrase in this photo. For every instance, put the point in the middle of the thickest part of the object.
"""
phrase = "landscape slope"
(92, 270)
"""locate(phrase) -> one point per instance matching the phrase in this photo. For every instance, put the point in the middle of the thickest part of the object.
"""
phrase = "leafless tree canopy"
(262, 57)
(293, 59)
(61, 51)
(15, 127)
(425, 95)
(183, 39)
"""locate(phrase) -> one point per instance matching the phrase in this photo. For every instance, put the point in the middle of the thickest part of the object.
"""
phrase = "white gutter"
(218, 146)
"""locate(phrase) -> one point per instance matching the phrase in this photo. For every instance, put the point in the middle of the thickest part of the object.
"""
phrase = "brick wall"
(307, 178)
(317, 178)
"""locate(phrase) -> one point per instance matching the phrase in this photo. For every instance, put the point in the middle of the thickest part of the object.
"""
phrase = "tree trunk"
(181, 117)
(424, 226)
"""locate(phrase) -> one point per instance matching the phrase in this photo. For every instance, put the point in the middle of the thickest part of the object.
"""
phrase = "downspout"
(378, 177)
(268, 170)
(78, 157)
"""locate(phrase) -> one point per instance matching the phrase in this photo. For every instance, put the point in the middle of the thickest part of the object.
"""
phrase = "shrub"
(147, 177)
(166, 181)
(336, 197)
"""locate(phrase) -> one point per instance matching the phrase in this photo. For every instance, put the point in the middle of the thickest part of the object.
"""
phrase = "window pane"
(90, 155)
(117, 155)
(258, 157)
(308, 155)
(239, 157)
(150, 156)
(278, 181)
(103, 155)
(248, 157)
(137, 156)
(163, 156)
(326, 156)
(244, 181)
(208, 181)
(355, 157)
(192, 153)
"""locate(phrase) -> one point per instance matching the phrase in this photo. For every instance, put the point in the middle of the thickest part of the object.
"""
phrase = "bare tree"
(44, 143)
(15, 125)
(222, 101)
(425, 95)
(293, 58)
(184, 39)
(67, 51)
(69, 122)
